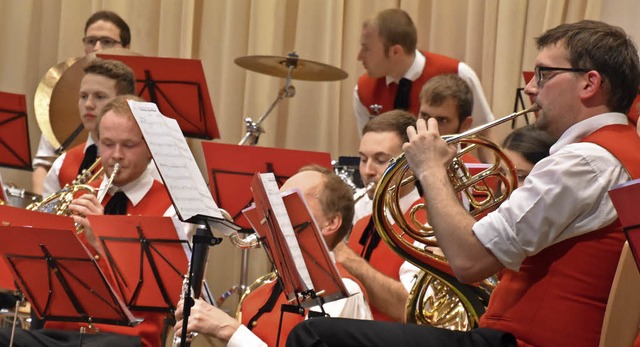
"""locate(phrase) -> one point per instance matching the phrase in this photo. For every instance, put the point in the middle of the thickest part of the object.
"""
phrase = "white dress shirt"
(564, 196)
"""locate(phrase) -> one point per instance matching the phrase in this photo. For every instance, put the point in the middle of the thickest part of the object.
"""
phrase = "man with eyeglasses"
(103, 30)
(556, 242)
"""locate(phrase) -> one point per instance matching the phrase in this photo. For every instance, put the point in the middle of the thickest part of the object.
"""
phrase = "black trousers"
(339, 332)
(59, 338)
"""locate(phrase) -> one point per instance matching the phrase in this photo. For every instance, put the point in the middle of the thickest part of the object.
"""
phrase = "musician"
(104, 29)
(525, 147)
(557, 240)
(331, 203)
(103, 80)
(392, 63)
(134, 192)
(446, 98)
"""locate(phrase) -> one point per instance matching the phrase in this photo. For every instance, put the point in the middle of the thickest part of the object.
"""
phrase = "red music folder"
(271, 222)
(179, 88)
(146, 258)
(626, 198)
(59, 276)
(15, 151)
(231, 169)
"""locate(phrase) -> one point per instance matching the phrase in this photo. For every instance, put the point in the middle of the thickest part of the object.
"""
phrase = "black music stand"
(146, 257)
(60, 278)
(179, 88)
(15, 151)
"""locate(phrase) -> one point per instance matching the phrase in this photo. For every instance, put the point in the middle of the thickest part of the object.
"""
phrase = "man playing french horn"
(556, 242)
(386, 276)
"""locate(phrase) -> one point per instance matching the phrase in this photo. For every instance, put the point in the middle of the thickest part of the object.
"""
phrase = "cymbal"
(305, 70)
(43, 96)
(56, 99)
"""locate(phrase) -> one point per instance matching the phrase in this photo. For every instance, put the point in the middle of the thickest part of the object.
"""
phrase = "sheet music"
(175, 162)
(282, 218)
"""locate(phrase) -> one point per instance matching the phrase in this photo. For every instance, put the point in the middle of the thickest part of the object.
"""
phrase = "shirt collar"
(414, 71)
(135, 190)
(584, 128)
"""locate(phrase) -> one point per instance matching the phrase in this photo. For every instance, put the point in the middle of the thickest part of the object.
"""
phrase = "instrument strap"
(268, 305)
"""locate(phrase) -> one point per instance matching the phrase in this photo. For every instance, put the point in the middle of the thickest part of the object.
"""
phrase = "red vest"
(375, 91)
(382, 258)
(70, 165)
(266, 325)
(558, 297)
(154, 203)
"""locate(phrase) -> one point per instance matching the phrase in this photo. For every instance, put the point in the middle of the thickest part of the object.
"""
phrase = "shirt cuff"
(243, 337)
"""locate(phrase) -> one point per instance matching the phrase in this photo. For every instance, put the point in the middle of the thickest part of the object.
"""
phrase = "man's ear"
(593, 83)
(466, 124)
(332, 226)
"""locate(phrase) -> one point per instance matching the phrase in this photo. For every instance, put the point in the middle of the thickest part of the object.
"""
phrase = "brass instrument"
(58, 203)
(437, 298)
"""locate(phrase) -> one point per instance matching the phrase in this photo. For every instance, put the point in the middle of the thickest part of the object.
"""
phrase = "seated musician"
(103, 80)
(134, 192)
(331, 203)
(556, 242)
(447, 99)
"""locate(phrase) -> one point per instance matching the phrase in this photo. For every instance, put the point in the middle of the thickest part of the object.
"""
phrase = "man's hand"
(206, 319)
(86, 205)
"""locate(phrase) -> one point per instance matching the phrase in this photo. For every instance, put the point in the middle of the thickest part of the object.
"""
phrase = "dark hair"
(115, 70)
(531, 142)
(336, 197)
(395, 27)
(112, 17)
(396, 121)
(605, 48)
(439, 88)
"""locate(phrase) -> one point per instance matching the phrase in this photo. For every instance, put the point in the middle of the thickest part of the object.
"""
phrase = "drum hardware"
(348, 169)
(18, 197)
(437, 298)
(290, 67)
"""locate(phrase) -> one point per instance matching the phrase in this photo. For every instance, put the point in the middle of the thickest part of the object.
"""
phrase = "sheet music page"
(282, 218)
(175, 162)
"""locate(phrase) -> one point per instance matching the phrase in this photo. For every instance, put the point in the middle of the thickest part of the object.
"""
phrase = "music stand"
(304, 265)
(179, 88)
(228, 176)
(625, 198)
(15, 151)
(146, 259)
(519, 101)
(59, 276)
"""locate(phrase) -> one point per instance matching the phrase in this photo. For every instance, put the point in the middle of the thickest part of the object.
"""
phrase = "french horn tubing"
(437, 298)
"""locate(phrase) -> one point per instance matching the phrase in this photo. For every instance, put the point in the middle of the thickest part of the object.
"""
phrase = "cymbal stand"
(254, 129)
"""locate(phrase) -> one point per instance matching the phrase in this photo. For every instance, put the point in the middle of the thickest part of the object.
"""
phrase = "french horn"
(437, 298)
(58, 203)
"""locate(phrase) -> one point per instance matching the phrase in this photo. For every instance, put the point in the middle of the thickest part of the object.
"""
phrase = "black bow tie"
(90, 155)
(403, 94)
(117, 204)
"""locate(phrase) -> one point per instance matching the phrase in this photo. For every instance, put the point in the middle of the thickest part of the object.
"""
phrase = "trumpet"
(450, 304)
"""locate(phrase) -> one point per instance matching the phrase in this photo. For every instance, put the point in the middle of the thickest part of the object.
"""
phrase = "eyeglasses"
(540, 77)
(105, 42)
